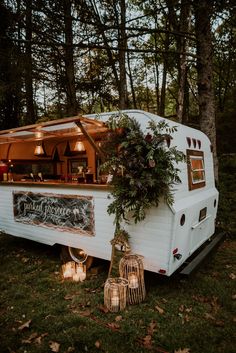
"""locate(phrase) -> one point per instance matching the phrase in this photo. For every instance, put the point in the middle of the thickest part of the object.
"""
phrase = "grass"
(40, 312)
(198, 313)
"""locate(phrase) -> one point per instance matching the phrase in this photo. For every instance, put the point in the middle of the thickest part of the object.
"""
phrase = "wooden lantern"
(131, 268)
(115, 294)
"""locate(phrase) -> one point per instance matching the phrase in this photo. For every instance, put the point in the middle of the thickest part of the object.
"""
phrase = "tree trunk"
(131, 83)
(182, 72)
(100, 27)
(203, 10)
(156, 71)
(69, 61)
(30, 111)
(164, 76)
(122, 52)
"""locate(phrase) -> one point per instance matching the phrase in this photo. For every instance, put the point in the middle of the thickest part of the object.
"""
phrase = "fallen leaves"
(184, 313)
(71, 296)
(151, 328)
(25, 260)
(232, 276)
(209, 316)
(118, 318)
(25, 325)
(213, 303)
(213, 309)
(34, 338)
(113, 326)
(219, 323)
(159, 309)
(97, 344)
(147, 340)
(30, 339)
(55, 346)
(103, 309)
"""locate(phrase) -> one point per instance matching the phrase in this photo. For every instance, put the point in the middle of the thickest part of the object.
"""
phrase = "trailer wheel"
(78, 255)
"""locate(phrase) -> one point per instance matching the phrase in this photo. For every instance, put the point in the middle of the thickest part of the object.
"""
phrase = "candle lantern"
(115, 294)
(68, 269)
(131, 268)
(75, 271)
(80, 273)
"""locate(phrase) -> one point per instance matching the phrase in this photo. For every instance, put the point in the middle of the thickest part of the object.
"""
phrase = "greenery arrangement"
(142, 166)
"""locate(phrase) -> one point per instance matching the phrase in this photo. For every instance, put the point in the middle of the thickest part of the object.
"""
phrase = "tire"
(72, 254)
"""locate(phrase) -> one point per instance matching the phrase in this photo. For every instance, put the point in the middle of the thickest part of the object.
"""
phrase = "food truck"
(52, 191)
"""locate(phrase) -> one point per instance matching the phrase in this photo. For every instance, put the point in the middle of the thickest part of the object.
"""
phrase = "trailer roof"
(61, 128)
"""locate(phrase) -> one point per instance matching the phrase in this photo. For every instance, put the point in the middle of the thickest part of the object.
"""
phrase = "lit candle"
(115, 300)
(82, 276)
(80, 273)
(133, 280)
(68, 270)
(79, 269)
(67, 273)
(76, 277)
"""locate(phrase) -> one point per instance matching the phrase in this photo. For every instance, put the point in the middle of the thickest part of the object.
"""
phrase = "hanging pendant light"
(79, 146)
(39, 150)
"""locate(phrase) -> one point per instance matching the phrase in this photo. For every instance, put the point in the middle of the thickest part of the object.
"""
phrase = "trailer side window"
(196, 169)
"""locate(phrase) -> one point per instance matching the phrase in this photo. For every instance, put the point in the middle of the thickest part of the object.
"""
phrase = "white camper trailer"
(63, 210)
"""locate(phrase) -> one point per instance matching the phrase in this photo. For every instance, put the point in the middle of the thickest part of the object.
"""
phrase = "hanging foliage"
(142, 166)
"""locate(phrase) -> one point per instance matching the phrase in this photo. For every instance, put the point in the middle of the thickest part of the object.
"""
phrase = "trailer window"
(196, 169)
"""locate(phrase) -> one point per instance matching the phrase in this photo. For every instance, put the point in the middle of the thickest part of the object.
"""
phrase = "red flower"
(148, 138)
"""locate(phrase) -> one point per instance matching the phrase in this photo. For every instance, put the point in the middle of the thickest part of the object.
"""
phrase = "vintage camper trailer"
(51, 192)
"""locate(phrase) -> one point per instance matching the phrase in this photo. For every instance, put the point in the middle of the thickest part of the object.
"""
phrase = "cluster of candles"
(74, 270)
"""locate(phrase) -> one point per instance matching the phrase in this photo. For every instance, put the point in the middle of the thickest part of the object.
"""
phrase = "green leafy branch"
(143, 167)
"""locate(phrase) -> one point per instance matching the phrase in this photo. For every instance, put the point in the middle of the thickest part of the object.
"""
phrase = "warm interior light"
(38, 134)
(79, 146)
(39, 149)
(115, 299)
(133, 280)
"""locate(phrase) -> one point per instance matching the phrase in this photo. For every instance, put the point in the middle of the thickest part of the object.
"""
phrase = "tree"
(122, 55)
(69, 59)
(10, 95)
(28, 69)
(203, 12)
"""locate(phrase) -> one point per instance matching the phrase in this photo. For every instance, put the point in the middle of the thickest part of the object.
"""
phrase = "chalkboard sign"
(72, 213)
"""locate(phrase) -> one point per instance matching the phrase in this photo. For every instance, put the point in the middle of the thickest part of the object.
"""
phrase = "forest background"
(175, 58)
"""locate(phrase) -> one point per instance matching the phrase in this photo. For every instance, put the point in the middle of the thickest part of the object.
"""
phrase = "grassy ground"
(42, 313)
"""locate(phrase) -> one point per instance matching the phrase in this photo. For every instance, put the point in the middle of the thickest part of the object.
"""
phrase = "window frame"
(193, 184)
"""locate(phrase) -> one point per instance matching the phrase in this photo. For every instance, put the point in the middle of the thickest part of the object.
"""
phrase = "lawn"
(41, 312)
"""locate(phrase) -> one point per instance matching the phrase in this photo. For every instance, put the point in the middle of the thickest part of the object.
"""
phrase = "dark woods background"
(174, 57)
